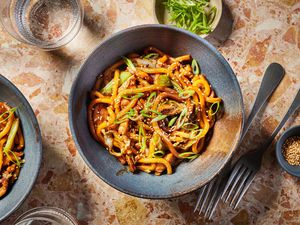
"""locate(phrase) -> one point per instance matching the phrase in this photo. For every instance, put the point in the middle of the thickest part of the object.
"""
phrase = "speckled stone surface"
(264, 32)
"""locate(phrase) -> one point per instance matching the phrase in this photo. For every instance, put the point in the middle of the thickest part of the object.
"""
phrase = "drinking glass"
(46, 24)
(46, 216)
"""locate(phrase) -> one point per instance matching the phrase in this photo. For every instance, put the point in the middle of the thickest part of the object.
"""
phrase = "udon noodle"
(154, 112)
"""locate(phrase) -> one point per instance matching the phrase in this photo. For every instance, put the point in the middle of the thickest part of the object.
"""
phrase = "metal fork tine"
(237, 179)
(240, 186)
(238, 173)
(231, 178)
(247, 185)
(202, 190)
(206, 196)
(214, 199)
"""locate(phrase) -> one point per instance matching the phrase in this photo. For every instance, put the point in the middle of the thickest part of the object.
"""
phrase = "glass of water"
(46, 24)
(46, 216)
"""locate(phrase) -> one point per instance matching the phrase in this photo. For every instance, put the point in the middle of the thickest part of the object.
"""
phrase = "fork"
(249, 164)
(209, 195)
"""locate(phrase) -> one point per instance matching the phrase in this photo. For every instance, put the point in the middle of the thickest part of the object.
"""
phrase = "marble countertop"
(263, 32)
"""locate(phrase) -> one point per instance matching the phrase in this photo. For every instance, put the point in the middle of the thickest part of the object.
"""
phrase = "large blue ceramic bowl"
(33, 148)
(188, 176)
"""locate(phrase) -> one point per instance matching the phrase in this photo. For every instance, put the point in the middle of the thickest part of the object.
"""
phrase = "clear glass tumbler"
(46, 24)
(46, 216)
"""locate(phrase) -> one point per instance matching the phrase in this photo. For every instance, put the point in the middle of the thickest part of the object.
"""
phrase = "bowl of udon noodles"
(20, 148)
(156, 111)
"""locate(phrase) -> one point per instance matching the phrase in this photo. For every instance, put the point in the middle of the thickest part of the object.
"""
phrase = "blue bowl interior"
(293, 170)
(190, 175)
(33, 148)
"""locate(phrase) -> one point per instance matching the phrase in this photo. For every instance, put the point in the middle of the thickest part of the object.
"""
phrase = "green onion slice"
(150, 99)
(129, 63)
(158, 118)
(190, 126)
(195, 67)
(134, 96)
(213, 111)
(142, 138)
(188, 155)
(181, 118)
(11, 136)
(172, 121)
(177, 87)
(159, 154)
(10, 112)
(186, 93)
(151, 55)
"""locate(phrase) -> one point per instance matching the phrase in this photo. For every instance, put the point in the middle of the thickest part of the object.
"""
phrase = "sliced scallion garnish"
(134, 96)
(150, 99)
(151, 55)
(177, 87)
(213, 111)
(159, 154)
(158, 118)
(188, 155)
(186, 93)
(190, 126)
(172, 121)
(129, 63)
(10, 112)
(195, 67)
(181, 118)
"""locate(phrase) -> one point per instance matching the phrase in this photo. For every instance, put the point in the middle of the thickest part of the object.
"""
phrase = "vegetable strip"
(154, 113)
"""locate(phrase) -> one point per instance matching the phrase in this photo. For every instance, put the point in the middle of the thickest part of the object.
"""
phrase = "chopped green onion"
(163, 80)
(158, 118)
(124, 76)
(189, 126)
(10, 112)
(151, 55)
(16, 161)
(195, 67)
(131, 112)
(144, 113)
(181, 118)
(212, 111)
(159, 154)
(149, 99)
(129, 63)
(212, 15)
(119, 121)
(186, 93)
(172, 121)
(194, 15)
(142, 139)
(194, 135)
(188, 155)
(177, 87)
(155, 111)
(134, 96)
(11, 136)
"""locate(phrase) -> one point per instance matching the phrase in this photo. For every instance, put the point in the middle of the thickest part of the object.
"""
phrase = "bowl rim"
(213, 49)
(39, 148)
(292, 170)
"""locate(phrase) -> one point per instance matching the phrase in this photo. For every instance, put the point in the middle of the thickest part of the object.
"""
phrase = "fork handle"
(272, 77)
(293, 108)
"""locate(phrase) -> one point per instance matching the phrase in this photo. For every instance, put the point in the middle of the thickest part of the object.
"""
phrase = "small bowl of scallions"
(198, 16)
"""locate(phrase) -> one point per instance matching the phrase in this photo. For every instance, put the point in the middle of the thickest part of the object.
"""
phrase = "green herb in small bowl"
(198, 16)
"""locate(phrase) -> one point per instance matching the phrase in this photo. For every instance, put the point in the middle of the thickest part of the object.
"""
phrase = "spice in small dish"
(196, 16)
(291, 150)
